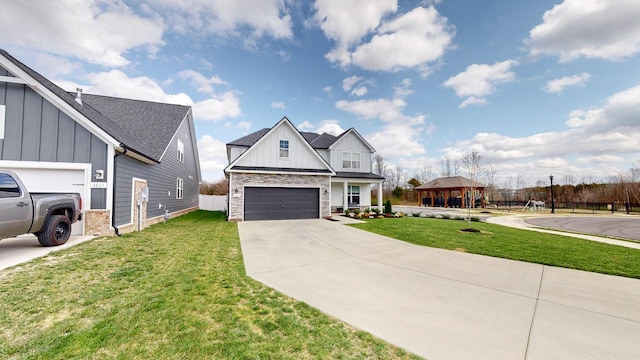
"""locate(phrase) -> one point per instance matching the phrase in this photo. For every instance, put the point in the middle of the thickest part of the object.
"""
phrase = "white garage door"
(56, 180)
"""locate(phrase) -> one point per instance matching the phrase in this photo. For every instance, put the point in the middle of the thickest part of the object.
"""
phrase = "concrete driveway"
(443, 304)
(17, 250)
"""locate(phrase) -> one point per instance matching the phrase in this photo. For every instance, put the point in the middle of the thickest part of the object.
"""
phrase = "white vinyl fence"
(213, 202)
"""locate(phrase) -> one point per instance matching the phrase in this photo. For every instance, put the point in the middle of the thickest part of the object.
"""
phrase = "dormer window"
(284, 148)
(350, 160)
(180, 151)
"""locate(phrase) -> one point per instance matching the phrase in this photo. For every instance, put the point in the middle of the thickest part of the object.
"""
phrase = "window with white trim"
(350, 160)
(180, 151)
(284, 148)
(179, 188)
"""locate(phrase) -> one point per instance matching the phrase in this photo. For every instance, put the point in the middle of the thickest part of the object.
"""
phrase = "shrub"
(458, 217)
(475, 218)
(415, 214)
(387, 207)
(356, 211)
(376, 210)
(446, 216)
(346, 212)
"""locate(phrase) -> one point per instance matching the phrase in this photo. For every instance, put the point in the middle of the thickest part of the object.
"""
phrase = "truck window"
(8, 187)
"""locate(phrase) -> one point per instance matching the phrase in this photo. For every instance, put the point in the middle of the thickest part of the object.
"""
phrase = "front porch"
(354, 194)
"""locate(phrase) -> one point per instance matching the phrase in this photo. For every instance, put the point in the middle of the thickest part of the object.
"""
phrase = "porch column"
(345, 195)
(380, 197)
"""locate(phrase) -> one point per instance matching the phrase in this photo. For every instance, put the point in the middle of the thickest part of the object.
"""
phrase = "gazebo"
(453, 191)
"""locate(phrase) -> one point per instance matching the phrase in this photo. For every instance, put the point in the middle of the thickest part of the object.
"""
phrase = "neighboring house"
(130, 160)
(282, 173)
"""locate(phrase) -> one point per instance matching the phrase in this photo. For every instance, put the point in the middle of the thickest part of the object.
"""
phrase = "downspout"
(113, 198)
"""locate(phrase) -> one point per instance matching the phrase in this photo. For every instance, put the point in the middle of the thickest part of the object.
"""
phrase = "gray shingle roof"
(149, 126)
(452, 182)
(317, 141)
(250, 139)
(140, 126)
(358, 175)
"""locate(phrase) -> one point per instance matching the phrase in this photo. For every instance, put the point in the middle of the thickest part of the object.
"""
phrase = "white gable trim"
(357, 134)
(283, 122)
(57, 101)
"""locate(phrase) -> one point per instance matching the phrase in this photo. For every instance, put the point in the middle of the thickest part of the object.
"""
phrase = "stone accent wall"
(239, 180)
(137, 188)
(97, 223)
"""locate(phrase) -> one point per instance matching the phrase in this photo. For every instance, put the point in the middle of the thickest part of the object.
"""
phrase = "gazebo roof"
(453, 182)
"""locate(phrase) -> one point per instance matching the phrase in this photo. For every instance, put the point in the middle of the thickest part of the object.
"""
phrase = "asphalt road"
(620, 227)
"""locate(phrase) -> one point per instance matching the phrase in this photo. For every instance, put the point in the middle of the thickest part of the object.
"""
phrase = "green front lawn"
(174, 291)
(511, 243)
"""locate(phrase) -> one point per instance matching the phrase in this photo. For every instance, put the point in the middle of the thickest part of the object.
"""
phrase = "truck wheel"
(56, 231)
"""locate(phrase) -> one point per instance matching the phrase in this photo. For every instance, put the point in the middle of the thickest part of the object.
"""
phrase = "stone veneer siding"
(238, 181)
(97, 223)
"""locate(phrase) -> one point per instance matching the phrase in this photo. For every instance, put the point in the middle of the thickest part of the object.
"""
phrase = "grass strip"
(510, 243)
(174, 291)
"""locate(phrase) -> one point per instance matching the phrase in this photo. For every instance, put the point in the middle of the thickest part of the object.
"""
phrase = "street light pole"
(553, 205)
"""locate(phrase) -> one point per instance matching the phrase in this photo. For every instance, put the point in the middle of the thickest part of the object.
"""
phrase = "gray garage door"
(262, 203)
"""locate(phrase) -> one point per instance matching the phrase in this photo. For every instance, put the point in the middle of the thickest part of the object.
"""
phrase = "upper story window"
(180, 151)
(284, 148)
(350, 160)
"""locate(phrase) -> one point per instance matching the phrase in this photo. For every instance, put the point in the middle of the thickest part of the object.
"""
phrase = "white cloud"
(346, 21)
(246, 19)
(599, 139)
(412, 39)
(218, 107)
(204, 84)
(622, 109)
(385, 109)
(96, 31)
(117, 83)
(396, 140)
(213, 158)
(557, 85)
(588, 28)
(326, 126)
(349, 82)
(277, 105)
(480, 80)
(330, 127)
(244, 125)
(359, 91)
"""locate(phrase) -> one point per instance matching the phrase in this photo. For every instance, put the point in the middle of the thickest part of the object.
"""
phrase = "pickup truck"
(47, 215)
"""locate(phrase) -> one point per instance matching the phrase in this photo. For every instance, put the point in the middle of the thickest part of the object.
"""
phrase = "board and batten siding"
(351, 143)
(266, 153)
(36, 130)
(161, 180)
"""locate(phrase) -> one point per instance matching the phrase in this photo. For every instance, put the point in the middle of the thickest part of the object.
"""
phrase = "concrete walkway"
(18, 250)
(443, 304)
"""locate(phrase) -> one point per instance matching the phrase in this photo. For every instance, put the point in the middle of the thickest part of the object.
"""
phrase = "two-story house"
(282, 173)
(132, 161)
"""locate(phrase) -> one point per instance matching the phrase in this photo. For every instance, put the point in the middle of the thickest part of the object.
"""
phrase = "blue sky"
(536, 87)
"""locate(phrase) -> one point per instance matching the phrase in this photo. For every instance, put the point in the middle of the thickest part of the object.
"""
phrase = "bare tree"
(379, 164)
(472, 164)
(425, 174)
(490, 173)
(446, 168)
(569, 179)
